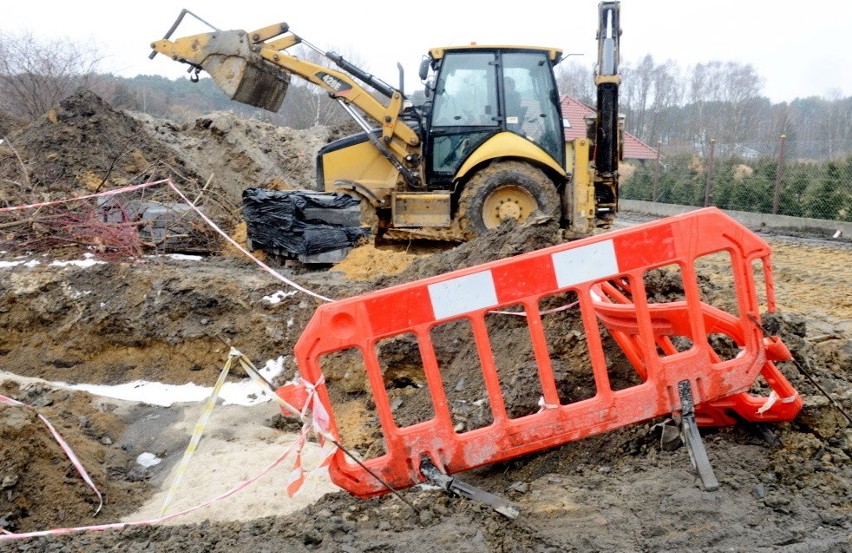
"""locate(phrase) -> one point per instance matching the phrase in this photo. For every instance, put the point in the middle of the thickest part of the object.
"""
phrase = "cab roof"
(553, 54)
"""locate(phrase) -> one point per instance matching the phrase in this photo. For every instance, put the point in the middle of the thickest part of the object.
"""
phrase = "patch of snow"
(179, 256)
(153, 393)
(244, 392)
(278, 296)
(7, 264)
(148, 459)
(89, 261)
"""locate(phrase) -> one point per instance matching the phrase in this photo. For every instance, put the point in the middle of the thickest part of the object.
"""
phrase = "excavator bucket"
(227, 57)
(252, 82)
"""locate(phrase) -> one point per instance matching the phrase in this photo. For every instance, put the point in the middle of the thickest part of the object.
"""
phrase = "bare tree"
(638, 90)
(723, 94)
(35, 75)
(576, 80)
(649, 92)
(668, 93)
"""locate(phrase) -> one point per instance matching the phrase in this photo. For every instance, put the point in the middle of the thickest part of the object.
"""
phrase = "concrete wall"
(751, 220)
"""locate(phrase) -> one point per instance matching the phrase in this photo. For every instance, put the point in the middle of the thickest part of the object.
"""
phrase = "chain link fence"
(801, 179)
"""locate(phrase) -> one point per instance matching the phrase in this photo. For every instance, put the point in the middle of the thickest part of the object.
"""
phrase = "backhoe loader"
(486, 145)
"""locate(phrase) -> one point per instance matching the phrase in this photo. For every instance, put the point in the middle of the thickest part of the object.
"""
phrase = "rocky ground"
(173, 320)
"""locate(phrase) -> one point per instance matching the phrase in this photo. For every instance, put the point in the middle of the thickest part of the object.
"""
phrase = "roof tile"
(575, 112)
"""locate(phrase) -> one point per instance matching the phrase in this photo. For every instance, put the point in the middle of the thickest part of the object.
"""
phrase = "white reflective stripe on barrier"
(460, 295)
(585, 263)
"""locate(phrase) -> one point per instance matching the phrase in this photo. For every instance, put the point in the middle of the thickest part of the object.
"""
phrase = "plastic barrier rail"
(672, 319)
(606, 276)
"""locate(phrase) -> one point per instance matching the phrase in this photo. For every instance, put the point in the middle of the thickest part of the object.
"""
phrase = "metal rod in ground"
(824, 392)
(373, 474)
(692, 439)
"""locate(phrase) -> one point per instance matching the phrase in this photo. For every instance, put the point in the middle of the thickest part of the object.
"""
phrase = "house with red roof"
(574, 114)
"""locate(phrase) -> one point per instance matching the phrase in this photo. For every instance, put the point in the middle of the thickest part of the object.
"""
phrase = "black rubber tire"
(504, 175)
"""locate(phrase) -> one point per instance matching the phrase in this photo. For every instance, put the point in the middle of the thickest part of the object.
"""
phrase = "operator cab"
(479, 91)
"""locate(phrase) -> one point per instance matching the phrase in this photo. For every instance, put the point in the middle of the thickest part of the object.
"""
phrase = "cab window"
(532, 101)
(465, 94)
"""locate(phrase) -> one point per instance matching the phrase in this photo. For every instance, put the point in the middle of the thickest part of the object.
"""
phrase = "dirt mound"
(152, 320)
(40, 487)
(241, 153)
(507, 240)
(9, 123)
(368, 262)
(83, 145)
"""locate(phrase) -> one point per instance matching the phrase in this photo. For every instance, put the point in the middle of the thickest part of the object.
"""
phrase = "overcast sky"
(800, 48)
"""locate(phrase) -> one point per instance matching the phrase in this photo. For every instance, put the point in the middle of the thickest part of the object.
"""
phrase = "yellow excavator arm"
(254, 68)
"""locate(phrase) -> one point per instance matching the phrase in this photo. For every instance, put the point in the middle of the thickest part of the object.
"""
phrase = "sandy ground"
(237, 445)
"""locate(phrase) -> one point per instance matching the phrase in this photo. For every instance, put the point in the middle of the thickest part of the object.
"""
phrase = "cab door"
(464, 112)
(528, 80)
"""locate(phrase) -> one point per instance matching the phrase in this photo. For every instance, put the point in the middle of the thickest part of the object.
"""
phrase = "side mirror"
(424, 69)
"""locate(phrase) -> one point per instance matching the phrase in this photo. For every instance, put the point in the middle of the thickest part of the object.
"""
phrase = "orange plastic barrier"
(607, 275)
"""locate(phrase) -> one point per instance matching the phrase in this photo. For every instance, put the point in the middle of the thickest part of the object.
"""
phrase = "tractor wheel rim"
(507, 202)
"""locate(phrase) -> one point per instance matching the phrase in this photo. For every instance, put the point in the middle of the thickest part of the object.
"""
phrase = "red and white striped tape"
(65, 447)
(112, 192)
(317, 421)
(192, 206)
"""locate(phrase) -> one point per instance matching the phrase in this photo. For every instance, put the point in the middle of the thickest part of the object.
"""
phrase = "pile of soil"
(9, 123)
(241, 153)
(84, 146)
(368, 261)
(40, 486)
(174, 320)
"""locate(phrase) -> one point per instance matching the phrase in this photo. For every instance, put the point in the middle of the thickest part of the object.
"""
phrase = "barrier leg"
(692, 439)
